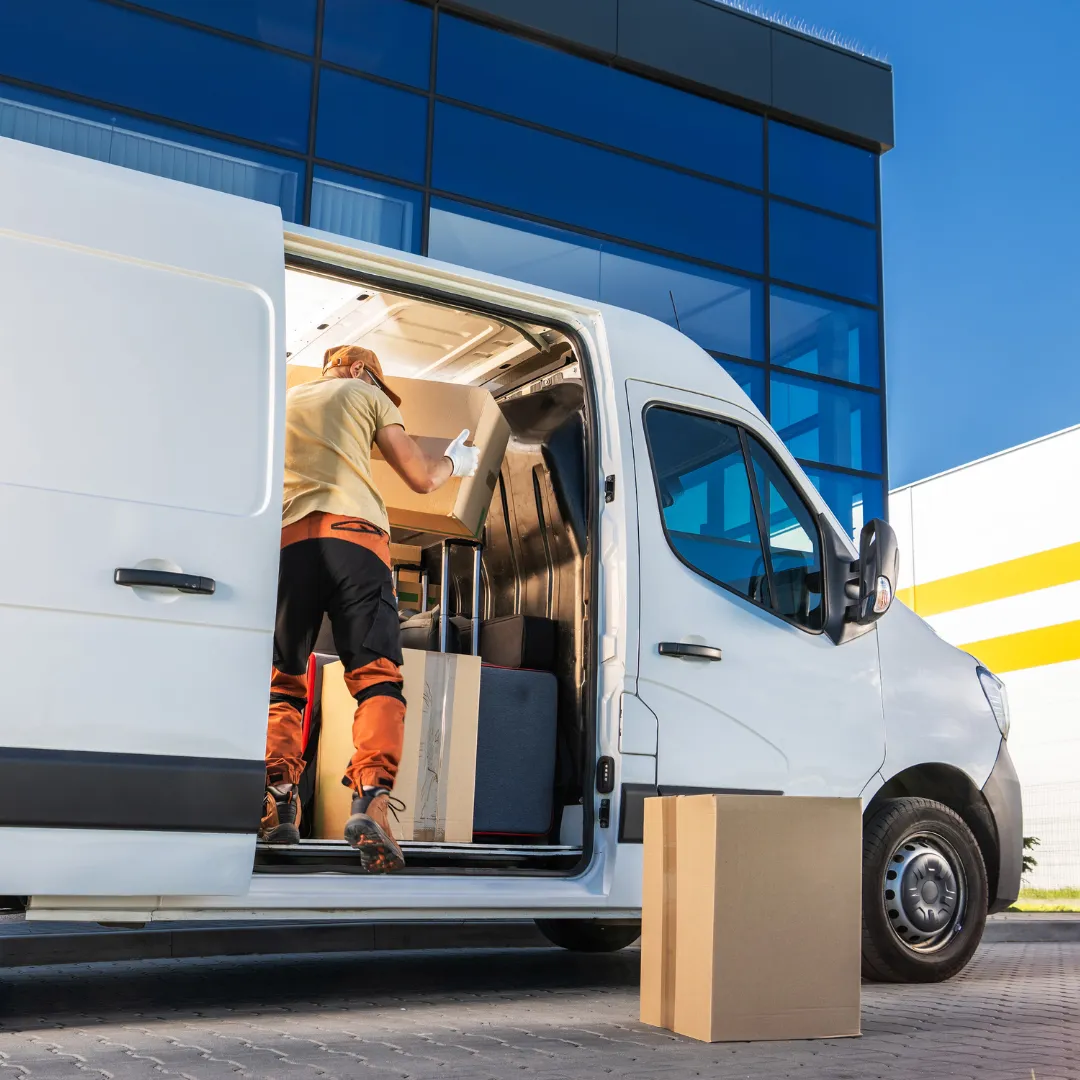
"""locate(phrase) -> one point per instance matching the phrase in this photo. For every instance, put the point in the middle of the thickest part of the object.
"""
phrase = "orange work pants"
(340, 567)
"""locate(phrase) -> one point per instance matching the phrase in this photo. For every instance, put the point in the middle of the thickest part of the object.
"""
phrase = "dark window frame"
(815, 515)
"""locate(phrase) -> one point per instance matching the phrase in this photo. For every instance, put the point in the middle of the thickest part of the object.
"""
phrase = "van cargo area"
(526, 615)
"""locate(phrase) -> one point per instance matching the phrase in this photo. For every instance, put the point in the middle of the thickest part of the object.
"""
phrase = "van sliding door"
(141, 366)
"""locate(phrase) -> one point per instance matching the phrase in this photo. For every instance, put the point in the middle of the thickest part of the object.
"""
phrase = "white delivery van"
(716, 630)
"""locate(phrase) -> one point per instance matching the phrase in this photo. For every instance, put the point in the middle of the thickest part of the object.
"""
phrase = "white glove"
(465, 459)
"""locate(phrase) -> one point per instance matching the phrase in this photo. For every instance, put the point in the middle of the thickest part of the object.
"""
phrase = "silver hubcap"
(924, 892)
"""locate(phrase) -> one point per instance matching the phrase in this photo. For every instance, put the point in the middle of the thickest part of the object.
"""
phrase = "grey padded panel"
(586, 22)
(700, 41)
(834, 88)
(518, 641)
(706, 44)
(515, 752)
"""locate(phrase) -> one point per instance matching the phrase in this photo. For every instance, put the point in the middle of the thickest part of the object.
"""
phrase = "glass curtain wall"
(403, 125)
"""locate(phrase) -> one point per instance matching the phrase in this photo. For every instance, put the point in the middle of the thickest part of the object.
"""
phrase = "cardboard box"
(751, 917)
(437, 777)
(406, 554)
(298, 374)
(434, 414)
(659, 901)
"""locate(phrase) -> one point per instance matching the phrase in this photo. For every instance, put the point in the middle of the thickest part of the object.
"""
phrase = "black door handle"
(165, 579)
(683, 648)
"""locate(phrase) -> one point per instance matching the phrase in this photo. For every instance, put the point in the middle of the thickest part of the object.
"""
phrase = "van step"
(320, 856)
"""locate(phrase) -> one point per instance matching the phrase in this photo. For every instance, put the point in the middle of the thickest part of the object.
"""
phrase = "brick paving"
(535, 1013)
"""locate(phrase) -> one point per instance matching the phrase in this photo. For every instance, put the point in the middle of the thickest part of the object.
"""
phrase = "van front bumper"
(1002, 794)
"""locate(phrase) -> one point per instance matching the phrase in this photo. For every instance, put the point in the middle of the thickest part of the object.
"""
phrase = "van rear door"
(141, 393)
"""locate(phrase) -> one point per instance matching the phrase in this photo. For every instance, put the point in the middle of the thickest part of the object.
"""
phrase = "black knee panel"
(383, 689)
(298, 703)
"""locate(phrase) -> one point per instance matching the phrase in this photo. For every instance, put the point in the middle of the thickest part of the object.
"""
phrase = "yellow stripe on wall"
(1028, 649)
(1058, 566)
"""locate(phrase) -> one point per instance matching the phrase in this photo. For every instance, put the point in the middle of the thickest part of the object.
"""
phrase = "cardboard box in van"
(751, 917)
(437, 777)
(434, 414)
(406, 554)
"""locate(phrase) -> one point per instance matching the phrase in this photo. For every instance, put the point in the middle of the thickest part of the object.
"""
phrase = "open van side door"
(141, 400)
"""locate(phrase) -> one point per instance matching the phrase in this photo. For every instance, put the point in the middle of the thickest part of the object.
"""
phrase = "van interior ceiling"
(532, 595)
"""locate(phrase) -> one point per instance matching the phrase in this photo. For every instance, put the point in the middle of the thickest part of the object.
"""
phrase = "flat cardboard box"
(437, 777)
(406, 554)
(658, 906)
(434, 414)
(765, 938)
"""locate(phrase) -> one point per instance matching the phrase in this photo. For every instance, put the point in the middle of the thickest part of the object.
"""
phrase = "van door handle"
(165, 579)
(683, 648)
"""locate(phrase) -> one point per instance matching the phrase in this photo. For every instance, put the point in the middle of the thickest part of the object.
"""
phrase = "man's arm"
(425, 474)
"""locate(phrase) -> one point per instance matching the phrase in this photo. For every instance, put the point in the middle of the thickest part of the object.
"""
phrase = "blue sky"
(981, 208)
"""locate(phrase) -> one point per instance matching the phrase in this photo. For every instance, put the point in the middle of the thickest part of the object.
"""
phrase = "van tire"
(590, 935)
(920, 840)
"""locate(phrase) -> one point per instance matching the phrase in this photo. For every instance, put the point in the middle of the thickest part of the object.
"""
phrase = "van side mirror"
(859, 593)
(879, 569)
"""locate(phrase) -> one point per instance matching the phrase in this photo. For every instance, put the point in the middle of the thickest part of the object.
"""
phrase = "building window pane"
(139, 61)
(371, 126)
(366, 210)
(391, 38)
(289, 24)
(751, 380)
(507, 165)
(507, 74)
(793, 541)
(830, 424)
(823, 252)
(705, 499)
(824, 337)
(512, 248)
(822, 172)
(719, 311)
(854, 500)
(213, 164)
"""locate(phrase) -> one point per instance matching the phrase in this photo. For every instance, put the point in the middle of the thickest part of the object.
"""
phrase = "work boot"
(281, 815)
(368, 830)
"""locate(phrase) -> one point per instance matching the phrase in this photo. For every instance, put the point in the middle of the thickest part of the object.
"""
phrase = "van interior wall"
(534, 548)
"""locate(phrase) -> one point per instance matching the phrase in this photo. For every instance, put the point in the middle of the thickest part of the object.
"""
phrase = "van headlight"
(996, 695)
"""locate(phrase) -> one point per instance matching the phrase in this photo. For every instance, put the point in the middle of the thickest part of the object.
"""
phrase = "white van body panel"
(141, 335)
(935, 708)
(64, 622)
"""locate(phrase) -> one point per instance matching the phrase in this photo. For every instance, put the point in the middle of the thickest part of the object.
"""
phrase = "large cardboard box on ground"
(751, 917)
(437, 777)
(435, 413)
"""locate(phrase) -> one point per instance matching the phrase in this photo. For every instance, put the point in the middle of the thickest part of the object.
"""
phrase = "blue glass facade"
(398, 123)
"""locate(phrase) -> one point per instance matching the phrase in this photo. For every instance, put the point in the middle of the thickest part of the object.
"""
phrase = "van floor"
(335, 856)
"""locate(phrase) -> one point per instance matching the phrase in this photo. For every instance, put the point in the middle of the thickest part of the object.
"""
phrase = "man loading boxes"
(335, 559)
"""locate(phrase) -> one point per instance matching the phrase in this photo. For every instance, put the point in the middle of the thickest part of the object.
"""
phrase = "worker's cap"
(347, 355)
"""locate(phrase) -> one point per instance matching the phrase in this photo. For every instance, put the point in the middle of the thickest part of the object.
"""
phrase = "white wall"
(1024, 615)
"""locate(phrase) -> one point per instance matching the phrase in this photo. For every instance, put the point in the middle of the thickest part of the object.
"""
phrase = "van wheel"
(924, 893)
(590, 935)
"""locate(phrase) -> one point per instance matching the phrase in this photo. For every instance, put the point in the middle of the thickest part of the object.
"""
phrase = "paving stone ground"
(536, 1014)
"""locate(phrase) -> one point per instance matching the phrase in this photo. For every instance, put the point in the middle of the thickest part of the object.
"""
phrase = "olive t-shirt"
(330, 425)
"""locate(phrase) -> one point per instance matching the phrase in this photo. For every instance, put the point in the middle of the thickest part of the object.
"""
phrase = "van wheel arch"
(952, 788)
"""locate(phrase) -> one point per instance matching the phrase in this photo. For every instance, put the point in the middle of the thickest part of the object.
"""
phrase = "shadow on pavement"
(118, 992)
